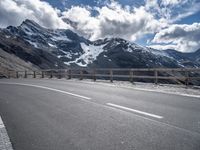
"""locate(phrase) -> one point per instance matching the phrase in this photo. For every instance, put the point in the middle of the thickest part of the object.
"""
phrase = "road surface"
(45, 114)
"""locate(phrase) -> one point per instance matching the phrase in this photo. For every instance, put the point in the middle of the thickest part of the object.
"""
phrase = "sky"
(160, 24)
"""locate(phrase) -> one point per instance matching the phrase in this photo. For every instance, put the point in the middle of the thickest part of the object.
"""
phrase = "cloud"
(183, 37)
(86, 25)
(129, 23)
(172, 10)
(170, 2)
(113, 20)
(163, 47)
(13, 12)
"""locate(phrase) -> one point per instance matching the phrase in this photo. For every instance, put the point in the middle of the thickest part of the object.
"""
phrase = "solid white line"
(5, 143)
(48, 88)
(142, 117)
(166, 92)
(136, 111)
(1, 123)
(137, 88)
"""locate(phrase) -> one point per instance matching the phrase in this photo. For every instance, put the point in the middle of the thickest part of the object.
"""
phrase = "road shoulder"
(5, 143)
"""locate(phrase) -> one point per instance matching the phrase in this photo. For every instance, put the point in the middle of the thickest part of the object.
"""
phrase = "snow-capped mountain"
(67, 47)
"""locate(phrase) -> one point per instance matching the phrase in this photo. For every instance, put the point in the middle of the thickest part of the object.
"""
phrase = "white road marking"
(136, 111)
(166, 92)
(137, 88)
(5, 143)
(139, 116)
(160, 123)
(48, 88)
(1, 123)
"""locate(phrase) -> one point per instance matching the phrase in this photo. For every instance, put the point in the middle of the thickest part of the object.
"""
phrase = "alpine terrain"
(33, 46)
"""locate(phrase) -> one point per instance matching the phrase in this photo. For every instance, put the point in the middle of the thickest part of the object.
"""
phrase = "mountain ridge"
(66, 48)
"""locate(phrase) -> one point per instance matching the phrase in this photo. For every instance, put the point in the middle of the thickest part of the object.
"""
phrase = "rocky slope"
(47, 48)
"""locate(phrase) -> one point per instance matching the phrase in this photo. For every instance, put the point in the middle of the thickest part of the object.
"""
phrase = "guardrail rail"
(187, 76)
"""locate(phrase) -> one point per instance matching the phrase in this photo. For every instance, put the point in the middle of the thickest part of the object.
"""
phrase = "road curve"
(44, 114)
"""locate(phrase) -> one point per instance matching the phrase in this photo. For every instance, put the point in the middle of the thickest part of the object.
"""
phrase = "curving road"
(43, 114)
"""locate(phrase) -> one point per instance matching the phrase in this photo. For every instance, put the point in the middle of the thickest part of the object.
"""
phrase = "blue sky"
(63, 4)
(160, 24)
(193, 16)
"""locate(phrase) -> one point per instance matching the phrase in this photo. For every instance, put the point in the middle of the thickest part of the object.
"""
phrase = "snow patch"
(52, 45)
(129, 50)
(159, 53)
(7, 36)
(26, 29)
(61, 38)
(67, 54)
(34, 44)
(90, 54)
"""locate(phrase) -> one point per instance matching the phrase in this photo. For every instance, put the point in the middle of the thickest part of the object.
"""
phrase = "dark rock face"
(126, 55)
(28, 53)
(47, 48)
(186, 59)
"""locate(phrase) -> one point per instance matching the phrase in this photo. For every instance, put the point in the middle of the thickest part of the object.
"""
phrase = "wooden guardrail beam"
(184, 75)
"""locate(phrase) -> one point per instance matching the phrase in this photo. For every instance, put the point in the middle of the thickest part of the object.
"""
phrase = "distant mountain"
(47, 48)
(15, 45)
(186, 59)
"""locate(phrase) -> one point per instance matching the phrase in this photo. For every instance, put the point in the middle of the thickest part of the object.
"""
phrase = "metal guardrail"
(175, 75)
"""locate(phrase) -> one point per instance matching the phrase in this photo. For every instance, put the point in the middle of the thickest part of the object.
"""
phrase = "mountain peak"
(74, 50)
(30, 23)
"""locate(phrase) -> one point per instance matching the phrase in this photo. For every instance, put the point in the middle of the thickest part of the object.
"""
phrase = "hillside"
(42, 48)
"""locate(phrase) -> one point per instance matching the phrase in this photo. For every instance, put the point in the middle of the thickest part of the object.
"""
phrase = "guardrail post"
(17, 74)
(65, 73)
(186, 78)
(25, 74)
(94, 75)
(42, 74)
(131, 75)
(156, 76)
(59, 74)
(34, 74)
(111, 75)
(81, 74)
(69, 74)
(51, 75)
(9, 74)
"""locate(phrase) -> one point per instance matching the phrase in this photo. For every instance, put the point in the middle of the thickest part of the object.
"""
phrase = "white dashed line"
(135, 111)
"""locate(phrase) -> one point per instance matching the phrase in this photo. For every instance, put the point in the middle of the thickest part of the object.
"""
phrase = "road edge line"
(5, 142)
(140, 89)
(48, 88)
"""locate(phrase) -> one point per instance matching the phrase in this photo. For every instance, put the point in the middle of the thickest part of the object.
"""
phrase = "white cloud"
(170, 2)
(86, 25)
(183, 37)
(13, 12)
(114, 20)
(172, 10)
(163, 47)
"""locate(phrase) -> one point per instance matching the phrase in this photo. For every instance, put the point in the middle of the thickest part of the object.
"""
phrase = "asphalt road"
(42, 114)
